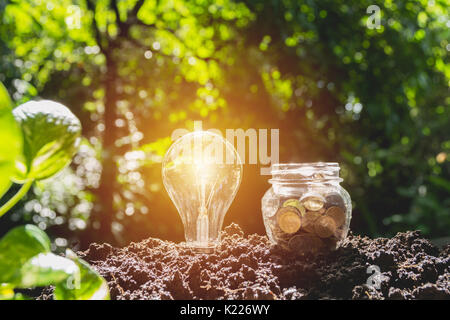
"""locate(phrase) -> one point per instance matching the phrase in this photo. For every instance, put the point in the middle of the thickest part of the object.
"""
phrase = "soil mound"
(249, 267)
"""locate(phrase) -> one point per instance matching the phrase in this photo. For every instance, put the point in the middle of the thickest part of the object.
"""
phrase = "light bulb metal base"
(210, 248)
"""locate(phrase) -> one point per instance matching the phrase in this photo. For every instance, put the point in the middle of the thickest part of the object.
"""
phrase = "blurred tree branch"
(95, 28)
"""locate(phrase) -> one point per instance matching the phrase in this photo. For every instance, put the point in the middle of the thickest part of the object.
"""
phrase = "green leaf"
(10, 141)
(6, 291)
(51, 138)
(17, 247)
(46, 269)
(92, 285)
(5, 100)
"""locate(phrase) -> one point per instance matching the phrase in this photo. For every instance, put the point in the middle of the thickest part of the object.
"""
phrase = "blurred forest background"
(375, 100)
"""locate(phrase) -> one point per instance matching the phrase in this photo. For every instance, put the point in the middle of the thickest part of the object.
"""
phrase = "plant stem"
(19, 195)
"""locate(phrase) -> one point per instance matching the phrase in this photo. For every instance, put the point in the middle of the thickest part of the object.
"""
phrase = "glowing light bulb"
(202, 172)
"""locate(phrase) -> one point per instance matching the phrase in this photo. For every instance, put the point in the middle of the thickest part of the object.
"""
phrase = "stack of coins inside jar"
(313, 223)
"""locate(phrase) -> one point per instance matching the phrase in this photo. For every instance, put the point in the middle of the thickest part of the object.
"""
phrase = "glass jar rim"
(307, 172)
(292, 165)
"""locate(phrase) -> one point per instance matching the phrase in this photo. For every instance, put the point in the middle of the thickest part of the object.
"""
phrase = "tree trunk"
(104, 210)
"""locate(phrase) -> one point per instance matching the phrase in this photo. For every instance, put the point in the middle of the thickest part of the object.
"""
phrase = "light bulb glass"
(202, 172)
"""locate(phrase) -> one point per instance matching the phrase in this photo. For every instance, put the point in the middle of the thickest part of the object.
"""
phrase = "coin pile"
(312, 223)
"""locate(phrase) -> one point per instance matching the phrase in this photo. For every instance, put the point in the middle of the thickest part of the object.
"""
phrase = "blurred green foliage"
(38, 140)
(376, 100)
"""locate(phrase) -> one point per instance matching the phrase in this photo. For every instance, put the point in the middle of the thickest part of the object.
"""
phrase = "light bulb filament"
(202, 227)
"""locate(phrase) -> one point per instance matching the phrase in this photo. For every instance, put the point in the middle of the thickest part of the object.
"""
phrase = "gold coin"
(296, 204)
(313, 202)
(299, 243)
(278, 234)
(337, 214)
(324, 227)
(334, 200)
(289, 219)
(309, 220)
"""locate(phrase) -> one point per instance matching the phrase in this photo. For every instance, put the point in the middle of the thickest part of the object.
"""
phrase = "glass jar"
(306, 210)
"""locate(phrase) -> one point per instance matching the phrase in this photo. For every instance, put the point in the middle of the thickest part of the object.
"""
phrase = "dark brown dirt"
(251, 268)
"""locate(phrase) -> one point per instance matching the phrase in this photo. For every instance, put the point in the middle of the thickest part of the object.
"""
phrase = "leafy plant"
(46, 151)
(26, 261)
(9, 131)
(49, 134)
